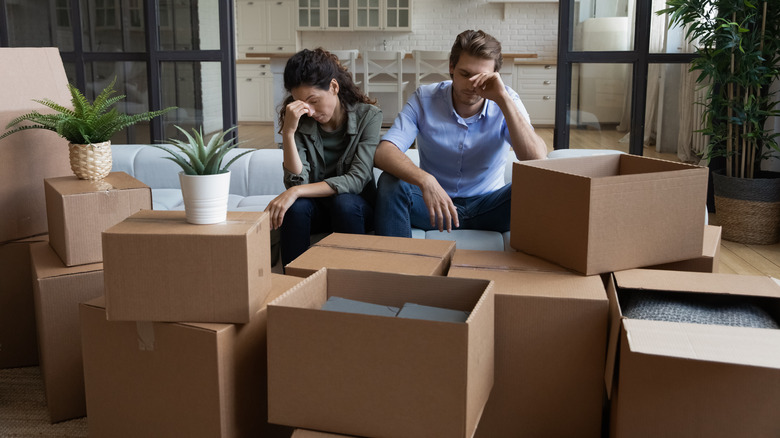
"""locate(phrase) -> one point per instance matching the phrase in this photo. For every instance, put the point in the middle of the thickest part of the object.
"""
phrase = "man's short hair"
(478, 44)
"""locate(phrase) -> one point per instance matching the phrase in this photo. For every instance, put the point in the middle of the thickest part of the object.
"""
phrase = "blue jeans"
(400, 207)
(341, 213)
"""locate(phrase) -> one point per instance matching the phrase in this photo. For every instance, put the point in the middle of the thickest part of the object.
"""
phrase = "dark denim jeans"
(341, 213)
(400, 207)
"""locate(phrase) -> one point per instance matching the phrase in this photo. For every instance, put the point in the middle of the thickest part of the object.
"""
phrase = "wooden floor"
(735, 258)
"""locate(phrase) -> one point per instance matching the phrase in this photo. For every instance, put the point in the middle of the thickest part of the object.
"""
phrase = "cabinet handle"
(250, 80)
(280, 48)
(251, 48)
(547, 82)
(251, 3)
(278, 3)
(547, 67)
(546, 97)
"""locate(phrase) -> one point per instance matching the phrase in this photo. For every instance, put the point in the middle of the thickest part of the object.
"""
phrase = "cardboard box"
(709, 261)
(79, 210)
(161, 268)
(551, 326)
(305, 433)
(693, 379)
(375, 253)
(18, 336)
(380, 376)
(609, 212)
(58, 290)
(32, 155)
(177, 379)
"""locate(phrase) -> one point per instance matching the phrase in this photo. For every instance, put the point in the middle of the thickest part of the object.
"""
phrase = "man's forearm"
(526, 143)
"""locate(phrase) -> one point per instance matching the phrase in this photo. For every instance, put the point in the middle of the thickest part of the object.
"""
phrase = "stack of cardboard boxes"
(28, 158)
(566, 361)
(177, 346)
(156, 327)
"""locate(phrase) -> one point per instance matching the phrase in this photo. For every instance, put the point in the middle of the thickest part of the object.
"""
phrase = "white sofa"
(257, 178)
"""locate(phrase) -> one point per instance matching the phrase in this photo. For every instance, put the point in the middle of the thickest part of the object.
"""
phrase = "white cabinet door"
(254, 89)
(265, 26)
(251, 34)
(280, 19)
(536, 86)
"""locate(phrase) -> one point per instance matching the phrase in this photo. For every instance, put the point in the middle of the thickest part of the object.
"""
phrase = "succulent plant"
(198, 157)
(87, 122)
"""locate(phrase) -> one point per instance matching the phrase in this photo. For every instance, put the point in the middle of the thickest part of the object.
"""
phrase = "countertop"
(251, 57)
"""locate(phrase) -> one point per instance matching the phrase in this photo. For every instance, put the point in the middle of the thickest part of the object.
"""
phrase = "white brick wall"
(526, 28)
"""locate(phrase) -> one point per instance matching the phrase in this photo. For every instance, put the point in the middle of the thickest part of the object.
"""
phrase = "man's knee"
(389, 185)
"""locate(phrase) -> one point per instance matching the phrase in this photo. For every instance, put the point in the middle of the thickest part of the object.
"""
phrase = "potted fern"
(738, 48)
(88, 127)
(205, 182)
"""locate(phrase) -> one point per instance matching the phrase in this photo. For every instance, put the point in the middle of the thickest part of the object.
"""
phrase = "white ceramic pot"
(205, 197)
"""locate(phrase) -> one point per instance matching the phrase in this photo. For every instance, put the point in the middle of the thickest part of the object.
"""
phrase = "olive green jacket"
(355, 168)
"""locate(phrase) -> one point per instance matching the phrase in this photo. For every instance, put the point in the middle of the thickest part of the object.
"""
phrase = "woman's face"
(322, 104)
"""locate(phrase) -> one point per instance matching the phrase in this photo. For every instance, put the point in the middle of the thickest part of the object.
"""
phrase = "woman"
(330, 131)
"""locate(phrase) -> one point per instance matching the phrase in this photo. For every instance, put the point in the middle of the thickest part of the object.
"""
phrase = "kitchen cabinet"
(265, 26)
(254, 93)
(389, 15)
(383, 15)
(536, 86)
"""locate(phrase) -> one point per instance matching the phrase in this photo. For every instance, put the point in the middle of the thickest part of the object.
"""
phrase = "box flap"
(168, 222)
(26, 79)
(71, 185)
(400, 245)
(697, 282)
(502, 261)
(585, 167)
(711, 245)
(46, 263)
(734, 345)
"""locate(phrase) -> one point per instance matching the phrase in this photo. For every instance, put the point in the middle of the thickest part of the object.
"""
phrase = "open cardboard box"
(374, 375)
(191, 380)
(79, 211)
(161, 268)
(609, 212)
(550, 331)
(375, 253)
(694, 379)
(32, 155)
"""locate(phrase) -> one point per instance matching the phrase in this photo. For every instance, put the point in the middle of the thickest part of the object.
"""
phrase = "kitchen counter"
(513, 56)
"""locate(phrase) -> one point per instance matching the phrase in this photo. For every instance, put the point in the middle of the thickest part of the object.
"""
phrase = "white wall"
(526, 28)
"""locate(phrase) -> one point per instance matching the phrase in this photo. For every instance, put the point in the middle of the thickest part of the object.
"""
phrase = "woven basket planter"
(90, 161)
(748, 209)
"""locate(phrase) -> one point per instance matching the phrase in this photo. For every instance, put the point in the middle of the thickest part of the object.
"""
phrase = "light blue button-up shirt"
(467, 156)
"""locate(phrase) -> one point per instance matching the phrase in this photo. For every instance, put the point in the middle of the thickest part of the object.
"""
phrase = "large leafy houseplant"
(738, 48)
(738, 58)
(205, 182)
(88, 127)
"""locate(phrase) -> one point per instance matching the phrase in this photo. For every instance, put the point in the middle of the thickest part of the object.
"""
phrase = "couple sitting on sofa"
(463, 128)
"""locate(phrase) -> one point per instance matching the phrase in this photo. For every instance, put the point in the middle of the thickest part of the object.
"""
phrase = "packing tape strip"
(145, 334)
(392, 251)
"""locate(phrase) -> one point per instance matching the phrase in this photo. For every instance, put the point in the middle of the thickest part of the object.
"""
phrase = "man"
(463, 128)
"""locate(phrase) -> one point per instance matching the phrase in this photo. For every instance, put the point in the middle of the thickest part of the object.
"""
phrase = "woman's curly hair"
(316, 68)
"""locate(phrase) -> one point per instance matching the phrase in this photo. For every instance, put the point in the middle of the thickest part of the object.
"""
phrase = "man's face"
(462, 91)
